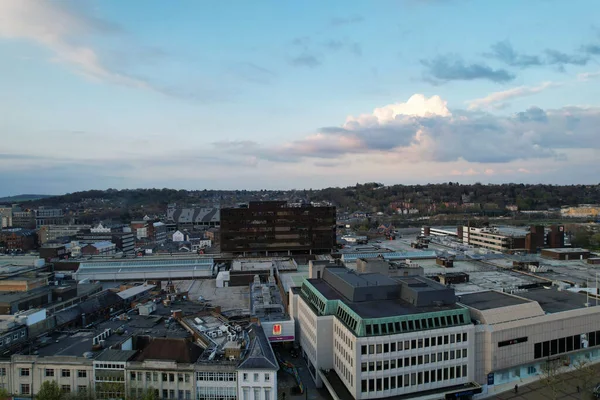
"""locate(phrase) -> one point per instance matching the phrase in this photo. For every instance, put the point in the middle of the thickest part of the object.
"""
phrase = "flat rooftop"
(490, 300)
(380, 296)
(565, 250)
(550, 299)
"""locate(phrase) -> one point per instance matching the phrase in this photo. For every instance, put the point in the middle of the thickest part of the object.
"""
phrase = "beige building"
(517, 336)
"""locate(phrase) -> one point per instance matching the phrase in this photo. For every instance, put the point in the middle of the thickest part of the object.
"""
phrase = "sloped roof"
(260, 354)
(179, 350)
(100, 301)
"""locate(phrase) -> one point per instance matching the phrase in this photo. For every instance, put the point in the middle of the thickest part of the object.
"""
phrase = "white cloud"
(497, 99)
(586, 76)
(417, 105)
(60, 30)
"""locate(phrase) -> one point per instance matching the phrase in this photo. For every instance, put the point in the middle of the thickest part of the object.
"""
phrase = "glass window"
(49, 372)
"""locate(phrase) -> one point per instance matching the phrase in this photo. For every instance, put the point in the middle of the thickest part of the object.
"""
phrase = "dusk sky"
(304, 94)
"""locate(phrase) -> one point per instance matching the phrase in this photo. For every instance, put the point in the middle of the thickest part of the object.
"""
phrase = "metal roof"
(148, 263)
(390, 256)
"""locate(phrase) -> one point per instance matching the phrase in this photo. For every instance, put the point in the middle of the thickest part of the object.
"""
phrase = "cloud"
(306, 60)
(58, 28)
(532, 114)
(592, 49)
(555, 57)
(341, 21)
(338, 45)
(424, 130)
(585, 76)
(504, 52)
(498, 99)
(449, 68)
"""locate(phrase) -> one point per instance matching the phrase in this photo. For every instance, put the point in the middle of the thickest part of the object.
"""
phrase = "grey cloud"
(339, 45)
(448, 68)
(504, 52)
(473, 136)
(592, 49)
(340, 21)
(306, 60)
(555, 57)
(534, 114)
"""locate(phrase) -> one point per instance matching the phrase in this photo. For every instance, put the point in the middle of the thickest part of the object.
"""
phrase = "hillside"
(447, 198)
(22, 197)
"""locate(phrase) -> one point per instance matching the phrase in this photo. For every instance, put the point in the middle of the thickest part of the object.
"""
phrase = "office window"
(413, 379)
(392, 382)
(363, 367)
(384, 328)
(180, 378)
(172, 379)
(378, 365)
(406, 380)
(65, 388)
(426, 342)
(386, 383)
(433, 341)
(364, 386)
(386, 347)
(399, 363)
(188, 395)
(2, 371)
(426, 376)
(413, 360)
(155, 376)
(393, 364)
(371, 385)
(386, 365)
(452, 354)
(464, 336)
(180, 394)
(432, 375)
(378, 384)
(369, 330)
(446, 339)
(245, 377)
(445, 356)
(451, 370)
(445, 374)
(452, 338)
(406, 345)
(537, 350)
(371, 349)
(165, 394)
(24, 372)
(417, 324)
(464, 370)
(420, 378)
(420, 360)
(426, 359)
(393, 347)
(372, 366)
(420, 343)
(65, 373)
(172, 393)
(363, 349)
(458, 371)
(464, 353)
(404, 326)
(376, 329)
(132, 376)
(406, 361)
(49, 372)
(432, 357)
(378, 348)
(82, 389)
(25, 388)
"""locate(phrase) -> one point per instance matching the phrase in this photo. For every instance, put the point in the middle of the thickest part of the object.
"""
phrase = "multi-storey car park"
(368, 336)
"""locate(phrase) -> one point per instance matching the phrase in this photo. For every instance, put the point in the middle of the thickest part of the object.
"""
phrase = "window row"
(415, 325)
(168, 394)
(566, 344)
(256, 377)
(345, 338)
(414, 379)
(385, 365)
(110, 366)
(153, 377)
(413, 344)
(64, 373)
(216, 376)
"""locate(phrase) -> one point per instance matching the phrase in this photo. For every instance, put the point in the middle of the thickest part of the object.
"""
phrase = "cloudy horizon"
(271, 96)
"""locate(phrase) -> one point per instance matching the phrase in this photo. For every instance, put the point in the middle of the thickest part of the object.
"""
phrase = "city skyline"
(263, 95)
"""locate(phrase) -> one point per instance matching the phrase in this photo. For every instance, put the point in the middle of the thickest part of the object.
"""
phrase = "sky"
(283, 95)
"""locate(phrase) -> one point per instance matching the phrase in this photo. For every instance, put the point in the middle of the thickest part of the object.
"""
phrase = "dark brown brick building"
(18, 240)
(275, 227)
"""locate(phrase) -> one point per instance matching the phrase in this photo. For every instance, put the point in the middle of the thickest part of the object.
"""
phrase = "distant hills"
(23, 197)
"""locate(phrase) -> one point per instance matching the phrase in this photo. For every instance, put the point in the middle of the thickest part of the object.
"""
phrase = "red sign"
(277, 329)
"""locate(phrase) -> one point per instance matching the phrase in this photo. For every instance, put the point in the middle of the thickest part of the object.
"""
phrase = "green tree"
(49, 391)
(4, 395)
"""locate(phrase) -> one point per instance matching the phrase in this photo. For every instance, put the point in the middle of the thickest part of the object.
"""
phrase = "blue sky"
(265, 94)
